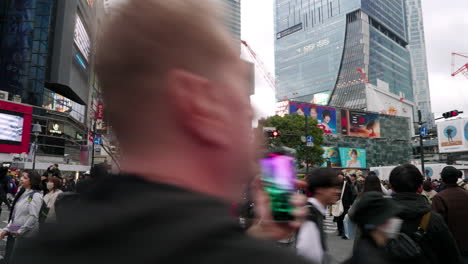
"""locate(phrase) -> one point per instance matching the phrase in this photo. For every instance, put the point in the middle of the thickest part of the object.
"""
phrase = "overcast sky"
(446, 29)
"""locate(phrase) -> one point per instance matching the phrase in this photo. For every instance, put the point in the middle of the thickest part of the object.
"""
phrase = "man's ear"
(198, 106)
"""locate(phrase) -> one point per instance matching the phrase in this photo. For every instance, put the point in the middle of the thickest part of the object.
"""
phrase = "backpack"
(411, 248)
(43, 212)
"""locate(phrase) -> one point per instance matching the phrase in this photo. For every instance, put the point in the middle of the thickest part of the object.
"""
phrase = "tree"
(291, 128)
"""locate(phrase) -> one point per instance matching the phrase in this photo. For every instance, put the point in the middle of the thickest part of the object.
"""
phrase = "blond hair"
(144, 39)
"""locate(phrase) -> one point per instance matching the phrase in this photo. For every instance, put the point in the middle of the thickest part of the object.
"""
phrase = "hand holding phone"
(278, 177)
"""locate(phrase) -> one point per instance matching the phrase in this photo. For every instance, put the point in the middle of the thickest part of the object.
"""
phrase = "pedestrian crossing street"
(328, 225)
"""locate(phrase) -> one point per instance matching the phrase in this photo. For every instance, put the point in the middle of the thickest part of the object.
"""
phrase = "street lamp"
(36, 129)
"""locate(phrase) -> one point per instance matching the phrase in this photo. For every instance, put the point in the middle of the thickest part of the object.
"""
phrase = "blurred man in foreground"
(176, 93)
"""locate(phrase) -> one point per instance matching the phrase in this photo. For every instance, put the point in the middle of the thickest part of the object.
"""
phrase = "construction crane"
(282, 106)
(261, 67)
(463, 69)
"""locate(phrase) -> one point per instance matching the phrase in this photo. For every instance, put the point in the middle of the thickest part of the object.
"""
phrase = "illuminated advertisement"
(353, 158)
(332, 155)
(81, 38)
(453, 135)
(360, 124)
(15, 127)
(326, 116)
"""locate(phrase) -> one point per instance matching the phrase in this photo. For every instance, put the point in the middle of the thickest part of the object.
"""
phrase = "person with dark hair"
(438, 244)
(24, 222)
(452, 204)
(54, 186)
(372, 184)
(323, 186)
(326, 118)
(376, 217)
(428, 190)
(347, 199)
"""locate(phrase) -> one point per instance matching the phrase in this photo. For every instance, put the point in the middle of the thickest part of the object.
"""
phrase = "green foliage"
(291, 128)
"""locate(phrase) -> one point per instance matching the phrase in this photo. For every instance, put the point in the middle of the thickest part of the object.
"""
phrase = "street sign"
(303, 139)
(97, 148)
(310, 144)
(310, 139)
(98, 140)
(423, 131)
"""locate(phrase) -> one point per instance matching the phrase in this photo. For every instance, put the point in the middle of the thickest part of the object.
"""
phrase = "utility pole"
(421, 123)
(94, 136)
(306, 130)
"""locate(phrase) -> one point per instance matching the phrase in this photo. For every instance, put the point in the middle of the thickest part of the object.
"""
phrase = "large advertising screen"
(326, 116)
(453, 135)
(81, 38)
(331, 155)
(11, 127)
(15, 127)
(360, 124)
(353, 158)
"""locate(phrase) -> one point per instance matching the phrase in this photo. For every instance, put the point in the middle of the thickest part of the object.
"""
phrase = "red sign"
(25, 112)
(100, 111)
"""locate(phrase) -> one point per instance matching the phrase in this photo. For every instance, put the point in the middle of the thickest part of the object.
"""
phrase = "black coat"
(439, 242)
(126, 219)
(367, 251)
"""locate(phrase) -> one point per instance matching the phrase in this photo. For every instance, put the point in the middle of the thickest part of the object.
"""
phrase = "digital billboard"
(360, 124)
(81, 38)
(453, 135)
(15, 127)
(353, 158)
(326, 116)
(11, 127)
(332, 155)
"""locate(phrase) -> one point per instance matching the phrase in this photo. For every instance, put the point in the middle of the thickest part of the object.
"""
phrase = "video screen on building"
(11, 127)
(360, 124)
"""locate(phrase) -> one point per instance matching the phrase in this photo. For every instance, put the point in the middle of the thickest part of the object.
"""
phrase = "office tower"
(326, 51)
(232, 9)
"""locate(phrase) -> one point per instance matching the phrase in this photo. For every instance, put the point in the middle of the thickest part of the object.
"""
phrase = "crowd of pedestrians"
(35, 199)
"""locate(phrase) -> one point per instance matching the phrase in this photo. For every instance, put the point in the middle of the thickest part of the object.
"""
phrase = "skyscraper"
(326, 50)
(417, 48)
(232, 9)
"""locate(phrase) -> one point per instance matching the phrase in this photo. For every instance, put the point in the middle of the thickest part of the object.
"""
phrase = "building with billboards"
(327, 51)
(358, 138)
(45, 64)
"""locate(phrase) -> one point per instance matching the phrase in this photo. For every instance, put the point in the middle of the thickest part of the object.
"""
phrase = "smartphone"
(278, 176)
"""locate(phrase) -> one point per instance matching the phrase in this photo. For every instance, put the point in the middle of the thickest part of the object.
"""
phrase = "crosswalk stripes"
(328, 225)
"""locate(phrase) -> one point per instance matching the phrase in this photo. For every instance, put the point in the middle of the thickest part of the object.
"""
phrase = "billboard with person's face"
(326, 116)
(353, 158)
(360, 124)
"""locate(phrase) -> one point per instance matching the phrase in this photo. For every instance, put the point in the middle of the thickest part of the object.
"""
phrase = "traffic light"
(273, 134)
(452, 113)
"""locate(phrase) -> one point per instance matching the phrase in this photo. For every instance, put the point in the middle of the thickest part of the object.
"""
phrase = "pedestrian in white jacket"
(24, 220)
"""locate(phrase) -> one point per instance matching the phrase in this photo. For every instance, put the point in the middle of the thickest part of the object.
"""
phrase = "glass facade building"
(39, 46)
(25, 44)
(326, 49)
(417, 47)
(232, 9)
